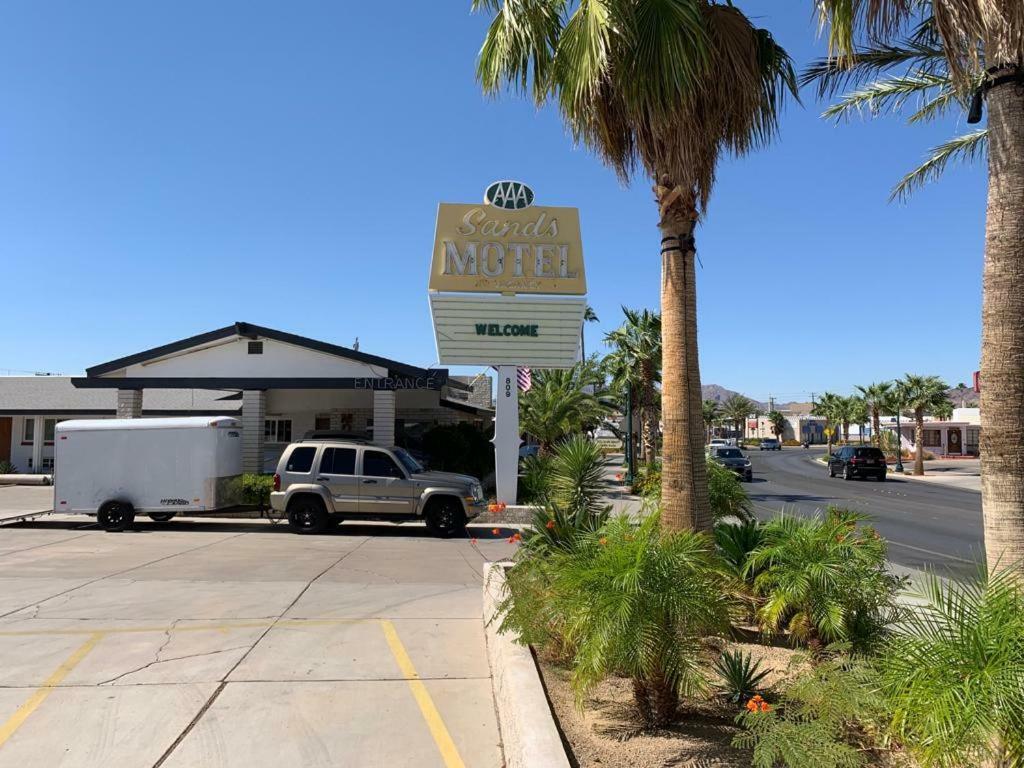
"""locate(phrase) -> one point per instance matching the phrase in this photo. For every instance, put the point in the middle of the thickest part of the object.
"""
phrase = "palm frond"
(967, 148)
(834, 74)
(889, 94)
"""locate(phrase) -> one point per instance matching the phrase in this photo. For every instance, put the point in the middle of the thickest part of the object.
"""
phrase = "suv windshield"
(729, 453)
(411, 465)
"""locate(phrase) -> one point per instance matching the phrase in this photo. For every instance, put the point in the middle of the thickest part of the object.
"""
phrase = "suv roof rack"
(327, 434)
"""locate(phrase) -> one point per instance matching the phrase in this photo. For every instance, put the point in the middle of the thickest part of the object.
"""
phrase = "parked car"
(857, 461)
(733, 458)
(770, 444)
(319, 483)
(718, 441)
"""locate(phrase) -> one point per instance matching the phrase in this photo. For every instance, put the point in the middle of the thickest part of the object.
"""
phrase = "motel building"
(956, 438)
(281, 386)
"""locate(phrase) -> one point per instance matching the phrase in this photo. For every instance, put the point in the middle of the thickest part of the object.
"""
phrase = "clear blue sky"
(168, 168)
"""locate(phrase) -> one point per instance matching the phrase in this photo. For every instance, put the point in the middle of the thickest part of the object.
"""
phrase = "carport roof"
(56, 396)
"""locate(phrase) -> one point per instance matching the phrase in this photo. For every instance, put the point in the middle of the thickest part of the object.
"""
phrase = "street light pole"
(899, 445)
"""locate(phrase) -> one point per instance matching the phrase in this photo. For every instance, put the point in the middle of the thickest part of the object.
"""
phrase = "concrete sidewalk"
(956, 473)
(616, 493)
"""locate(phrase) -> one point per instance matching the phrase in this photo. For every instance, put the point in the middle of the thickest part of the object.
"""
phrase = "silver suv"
(321, 482)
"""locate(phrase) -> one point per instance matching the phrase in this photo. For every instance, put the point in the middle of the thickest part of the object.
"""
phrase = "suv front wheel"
(445, 518)
(307, 515)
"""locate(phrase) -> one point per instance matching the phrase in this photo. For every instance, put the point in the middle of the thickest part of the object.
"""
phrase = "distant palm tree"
(736, 410)
(589, 316)
(961, 388)
(778, 422)
(830, 407)
(666, 87)
(924, 395)
(875, 397)
(710, 413)
(943, 410)
(636, 358)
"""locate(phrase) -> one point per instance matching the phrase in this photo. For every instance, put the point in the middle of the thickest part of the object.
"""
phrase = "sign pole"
(506, 435)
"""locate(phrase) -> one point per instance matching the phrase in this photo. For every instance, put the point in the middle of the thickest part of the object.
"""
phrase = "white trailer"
(117, 468)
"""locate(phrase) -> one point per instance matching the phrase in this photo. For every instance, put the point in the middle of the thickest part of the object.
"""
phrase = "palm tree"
(589, 316)
(923, 76)
(875, 397)
(666, 88)
(830, 407)
(961, 388)
(561, 403)
(924, 395)
(736, 410)
(778, 422)
(637, 359)
(710, 413)
(895, 403)
(856, 413)
(981, 35)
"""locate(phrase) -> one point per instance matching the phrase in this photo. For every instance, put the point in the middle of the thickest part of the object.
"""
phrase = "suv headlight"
(477, 491)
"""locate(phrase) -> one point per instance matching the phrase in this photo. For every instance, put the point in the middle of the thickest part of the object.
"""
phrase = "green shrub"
(953, 673)
(6, 468)
(824, 579)
(627, 600)
(735, 542)
(256, 489)
(534, 478)
(726, 493)
(751, 441)
(829, 717)
(576, 480)
(740, 677)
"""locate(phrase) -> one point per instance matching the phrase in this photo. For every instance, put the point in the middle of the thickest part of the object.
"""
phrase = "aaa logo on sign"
(510, 195)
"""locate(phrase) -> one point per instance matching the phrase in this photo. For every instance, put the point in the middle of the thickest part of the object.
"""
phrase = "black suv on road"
(851, 462)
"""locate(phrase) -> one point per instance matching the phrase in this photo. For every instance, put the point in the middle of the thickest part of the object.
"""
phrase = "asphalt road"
(929, 526)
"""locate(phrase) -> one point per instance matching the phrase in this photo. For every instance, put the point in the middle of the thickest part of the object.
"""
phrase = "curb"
(528, 733)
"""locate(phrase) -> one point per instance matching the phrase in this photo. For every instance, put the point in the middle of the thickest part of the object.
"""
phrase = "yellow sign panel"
(486, 249)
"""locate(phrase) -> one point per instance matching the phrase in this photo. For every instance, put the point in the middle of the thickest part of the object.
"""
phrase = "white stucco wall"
(231, 358)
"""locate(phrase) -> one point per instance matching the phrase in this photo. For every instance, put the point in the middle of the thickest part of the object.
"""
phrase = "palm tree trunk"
(1002, 334)
(684, 482)
(650, 412)
(876, 428)
(918, 442)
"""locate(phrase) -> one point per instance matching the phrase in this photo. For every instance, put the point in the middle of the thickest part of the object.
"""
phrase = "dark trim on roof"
(433, 379)
(458, 405)
(110, 412)
(250, 331)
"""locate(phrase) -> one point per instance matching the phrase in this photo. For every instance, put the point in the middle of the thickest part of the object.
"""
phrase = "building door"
(5, 438)
(954, 444)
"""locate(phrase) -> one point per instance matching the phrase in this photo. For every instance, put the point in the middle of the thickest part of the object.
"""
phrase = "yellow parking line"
(449, 753)
(15, 721)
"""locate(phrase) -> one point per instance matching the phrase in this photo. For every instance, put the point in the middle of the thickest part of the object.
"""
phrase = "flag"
(524, 378)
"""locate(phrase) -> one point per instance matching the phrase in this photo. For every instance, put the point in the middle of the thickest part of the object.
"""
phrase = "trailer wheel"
(116, 516)
(160, 517)
(308, 515)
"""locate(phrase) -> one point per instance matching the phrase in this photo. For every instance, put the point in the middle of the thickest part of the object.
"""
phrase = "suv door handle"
(369, 482)
(322, 480)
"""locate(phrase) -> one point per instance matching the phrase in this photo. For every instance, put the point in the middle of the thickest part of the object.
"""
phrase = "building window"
(973, 439)
(255, 347)
(47, 463)
(322, 423)
(933, 438)
(277, 430)
(49, 427)
(28, 434)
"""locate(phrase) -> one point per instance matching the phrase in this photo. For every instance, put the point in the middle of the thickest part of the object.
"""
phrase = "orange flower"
(551, 524)
(619, 477)
(602, 541)
(757, 704)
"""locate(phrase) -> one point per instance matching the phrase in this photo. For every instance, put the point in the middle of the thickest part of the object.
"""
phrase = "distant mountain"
(720, 394)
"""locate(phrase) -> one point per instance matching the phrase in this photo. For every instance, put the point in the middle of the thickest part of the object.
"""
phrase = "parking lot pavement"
(240, 644)
(18, 500)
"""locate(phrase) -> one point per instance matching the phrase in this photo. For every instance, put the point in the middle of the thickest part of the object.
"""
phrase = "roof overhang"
(432, 379)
